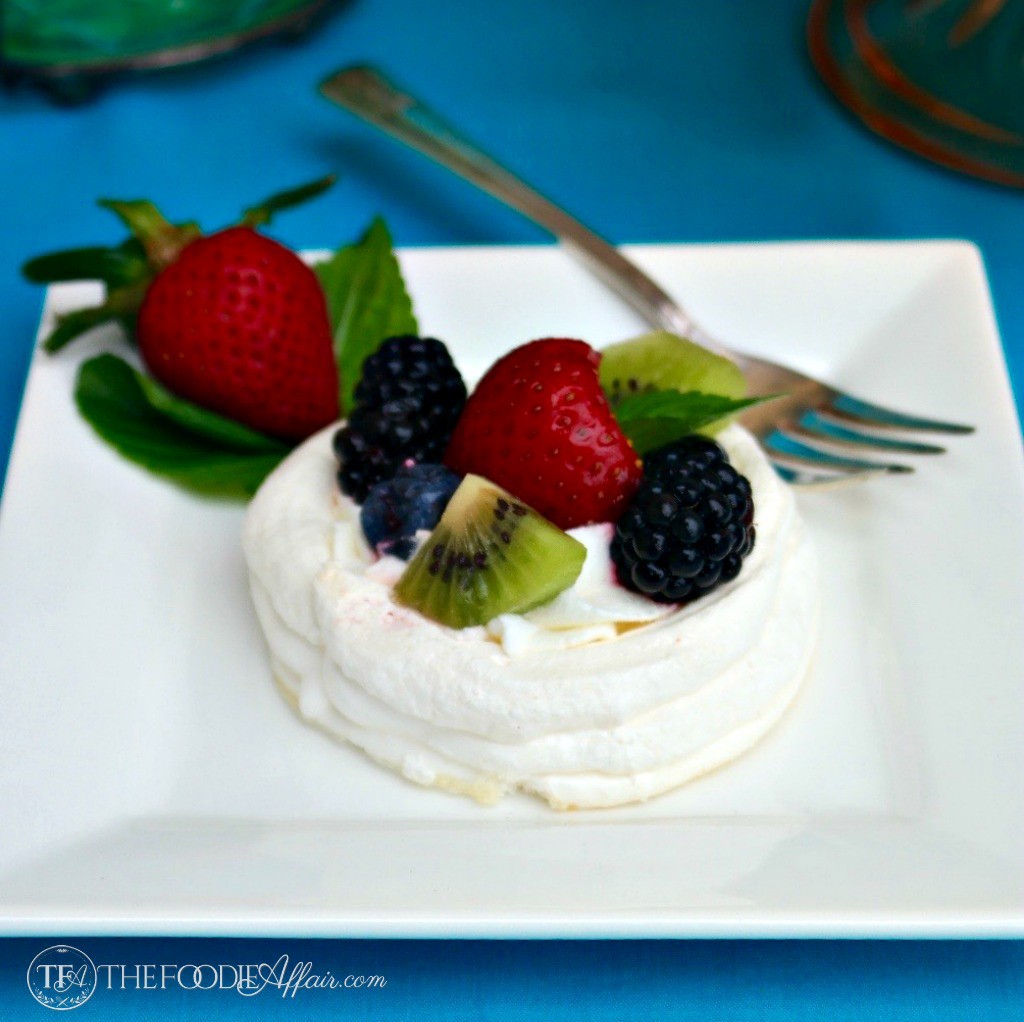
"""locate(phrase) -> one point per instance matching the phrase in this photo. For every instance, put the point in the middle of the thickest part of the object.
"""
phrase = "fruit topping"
(663, 361)
(412, 500)
(406, 405)
(689, 526)
(238, 324)
(231, 321)
(540, 426)
(663, 387)
(490, 554)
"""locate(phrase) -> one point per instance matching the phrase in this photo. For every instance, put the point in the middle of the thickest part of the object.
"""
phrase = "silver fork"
(814, 435)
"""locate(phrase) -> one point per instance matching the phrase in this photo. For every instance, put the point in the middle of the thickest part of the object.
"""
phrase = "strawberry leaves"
(161, 240)
(263, 212)
(367, 303)
(176, 439)
(122, 268)
(118, 265)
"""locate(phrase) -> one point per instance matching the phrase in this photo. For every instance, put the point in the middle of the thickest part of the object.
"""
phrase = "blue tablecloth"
(656, 121)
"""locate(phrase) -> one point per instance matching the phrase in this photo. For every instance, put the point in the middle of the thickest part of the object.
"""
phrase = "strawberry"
(231, 321)
(238, 324)
(539, 425)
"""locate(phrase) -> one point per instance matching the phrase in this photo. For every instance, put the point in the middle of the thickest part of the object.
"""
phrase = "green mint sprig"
(367, 301)
(170, 437)
(658, 417)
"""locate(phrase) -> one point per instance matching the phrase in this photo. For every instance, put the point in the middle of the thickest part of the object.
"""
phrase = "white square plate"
(152, 780)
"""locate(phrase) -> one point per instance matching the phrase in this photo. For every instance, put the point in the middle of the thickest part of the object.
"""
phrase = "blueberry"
(413, 499)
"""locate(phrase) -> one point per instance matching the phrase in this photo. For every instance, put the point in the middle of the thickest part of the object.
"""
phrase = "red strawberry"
(232, 321)
(238, 324)
(539, 425)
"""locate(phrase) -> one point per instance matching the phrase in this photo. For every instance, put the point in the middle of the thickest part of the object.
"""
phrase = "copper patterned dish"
(942, 78)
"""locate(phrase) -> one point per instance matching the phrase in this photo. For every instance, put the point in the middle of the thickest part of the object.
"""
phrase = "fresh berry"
(238, 324)
(413, 499)
(407, 402)
(689, 526)
(231, 321)
(539, 425)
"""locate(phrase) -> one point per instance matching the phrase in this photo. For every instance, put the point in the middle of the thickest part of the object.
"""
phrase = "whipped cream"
(598, 698)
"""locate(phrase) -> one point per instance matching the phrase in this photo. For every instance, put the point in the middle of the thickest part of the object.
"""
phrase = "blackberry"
(689, 525)
(407, 402)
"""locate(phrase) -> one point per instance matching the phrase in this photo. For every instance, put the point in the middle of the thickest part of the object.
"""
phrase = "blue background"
(706, 981)
(656, 121)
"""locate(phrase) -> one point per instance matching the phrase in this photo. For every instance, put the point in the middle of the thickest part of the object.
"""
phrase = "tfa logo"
(61, 977)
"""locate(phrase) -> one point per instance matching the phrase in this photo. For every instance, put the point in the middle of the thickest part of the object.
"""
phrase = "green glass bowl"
(69, 45)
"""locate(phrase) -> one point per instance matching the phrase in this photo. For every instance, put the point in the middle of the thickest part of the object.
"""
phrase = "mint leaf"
(201, 422)
(367, 302)
(194, 448)
(659, 417)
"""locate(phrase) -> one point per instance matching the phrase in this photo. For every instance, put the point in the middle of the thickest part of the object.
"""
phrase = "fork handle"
(367, 93)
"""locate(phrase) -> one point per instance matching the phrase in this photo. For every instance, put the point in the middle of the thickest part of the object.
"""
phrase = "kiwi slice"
(663, 361)
(489, 554)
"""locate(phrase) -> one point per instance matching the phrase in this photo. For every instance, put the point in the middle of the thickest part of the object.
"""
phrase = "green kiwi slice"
(663, 361)
(489, 554)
